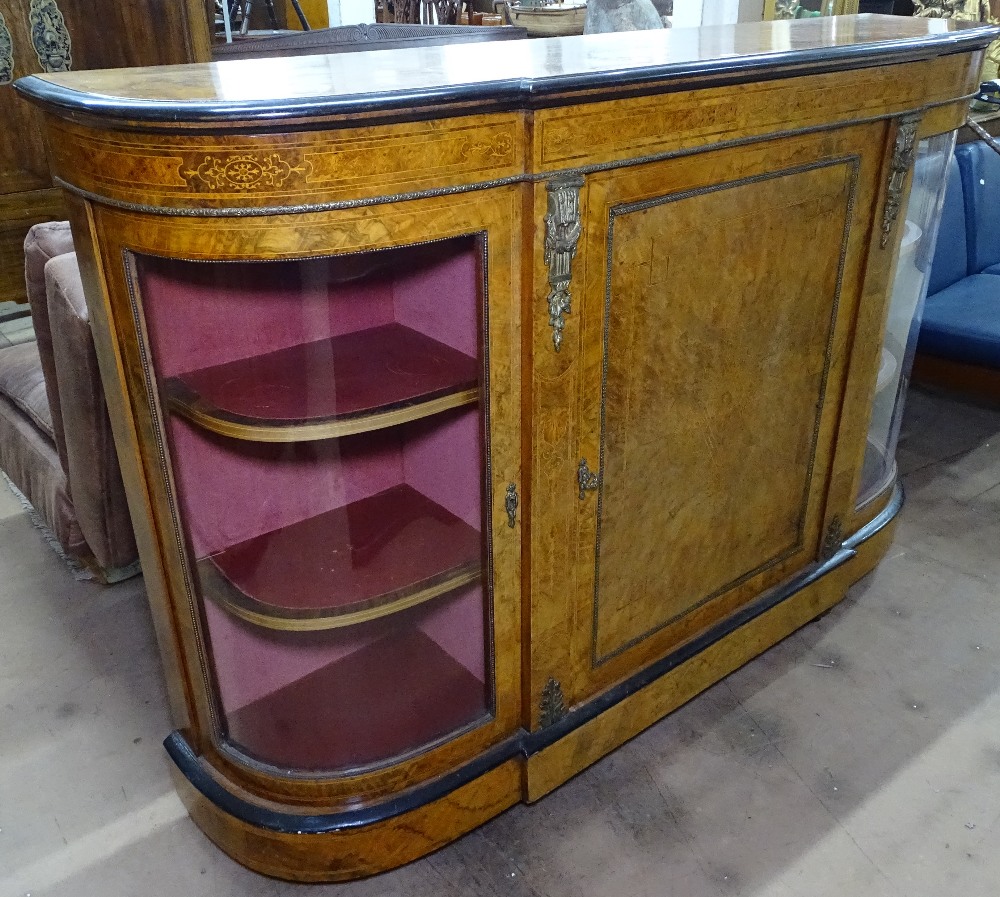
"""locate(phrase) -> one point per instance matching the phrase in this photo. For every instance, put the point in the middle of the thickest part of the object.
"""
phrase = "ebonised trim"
(880, 520)
(292, 823)
(515, 92)
(521, 743)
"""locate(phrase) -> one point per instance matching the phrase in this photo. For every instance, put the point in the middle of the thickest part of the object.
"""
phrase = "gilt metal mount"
(833, 539)
(510, 503)
(587, 479)
(903, 154)
(562, 233)
(553, 705)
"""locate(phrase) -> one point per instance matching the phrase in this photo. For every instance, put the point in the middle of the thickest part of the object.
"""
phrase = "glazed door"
(705, 346)
(328, 410)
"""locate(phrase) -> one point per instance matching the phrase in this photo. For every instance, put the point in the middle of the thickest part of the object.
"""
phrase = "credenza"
(480, 405)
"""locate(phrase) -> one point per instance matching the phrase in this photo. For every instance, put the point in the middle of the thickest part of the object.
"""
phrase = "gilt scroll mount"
(562, 233)
(903, 154)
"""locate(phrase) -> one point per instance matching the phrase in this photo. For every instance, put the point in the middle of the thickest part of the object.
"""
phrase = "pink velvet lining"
(199, 315)
(251, 662)
(459, 627)
(436, 460)
(433, 300)
(231, 490)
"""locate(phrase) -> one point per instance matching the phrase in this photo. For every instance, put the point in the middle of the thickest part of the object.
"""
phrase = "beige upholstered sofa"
(55, 437)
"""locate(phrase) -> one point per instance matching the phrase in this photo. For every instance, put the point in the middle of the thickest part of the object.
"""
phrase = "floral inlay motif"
(245, 172)
(500, 147)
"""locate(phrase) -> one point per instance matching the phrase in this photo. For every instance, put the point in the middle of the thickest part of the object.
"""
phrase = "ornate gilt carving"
(902, 160)
(562, 233)
(49, 36)
(510, 503)
(833, 539)
(244, 172)
(553, 705)
(586, 478)
(6, 53)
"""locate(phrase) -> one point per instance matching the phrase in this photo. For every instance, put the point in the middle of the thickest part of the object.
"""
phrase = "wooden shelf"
(372, 558)
(396, 694)
(361, 381)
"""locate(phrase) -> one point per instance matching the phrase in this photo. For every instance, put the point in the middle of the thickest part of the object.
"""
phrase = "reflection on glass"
(324, 424)
(909, 290)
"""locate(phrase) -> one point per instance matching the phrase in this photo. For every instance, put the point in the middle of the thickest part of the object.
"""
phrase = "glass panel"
(325, 426)
(906, 304)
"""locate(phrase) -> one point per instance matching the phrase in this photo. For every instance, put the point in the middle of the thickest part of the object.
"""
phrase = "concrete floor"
(15, 324)
(860, 757)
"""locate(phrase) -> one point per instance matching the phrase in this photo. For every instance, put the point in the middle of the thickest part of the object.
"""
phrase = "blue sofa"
(959, 344)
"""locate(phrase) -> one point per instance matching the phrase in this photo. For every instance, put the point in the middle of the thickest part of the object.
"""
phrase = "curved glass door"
(909, 289)
(325, 427)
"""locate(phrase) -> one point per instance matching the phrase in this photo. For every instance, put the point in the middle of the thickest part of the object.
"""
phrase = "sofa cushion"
(23, 383)
(962, 322)
(950, 262)
(28, 457)
(980, 167)
(43, 242)
(993, 269)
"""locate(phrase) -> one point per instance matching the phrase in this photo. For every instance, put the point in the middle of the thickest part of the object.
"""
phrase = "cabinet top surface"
(498, 74)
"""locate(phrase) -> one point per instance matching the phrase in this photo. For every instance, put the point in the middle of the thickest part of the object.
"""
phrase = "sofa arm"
(44, 242)
(93, 472)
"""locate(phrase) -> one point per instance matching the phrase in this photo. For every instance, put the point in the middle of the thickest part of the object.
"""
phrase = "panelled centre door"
(715, 299)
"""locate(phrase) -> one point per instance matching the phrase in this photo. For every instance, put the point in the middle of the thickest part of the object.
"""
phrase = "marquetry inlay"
(229, 171)
(501, 147)
(245, 172)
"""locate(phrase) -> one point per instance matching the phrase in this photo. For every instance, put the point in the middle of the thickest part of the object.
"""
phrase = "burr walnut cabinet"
(469, 425)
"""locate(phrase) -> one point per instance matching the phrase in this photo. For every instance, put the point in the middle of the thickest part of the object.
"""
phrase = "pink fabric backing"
(441, 459)
(199, 315)
(251, 662)
(459, 627)
(434, 300)
(230, 490)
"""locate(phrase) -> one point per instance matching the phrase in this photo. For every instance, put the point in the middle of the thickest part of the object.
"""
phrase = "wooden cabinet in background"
(63, 35)
(470, 428)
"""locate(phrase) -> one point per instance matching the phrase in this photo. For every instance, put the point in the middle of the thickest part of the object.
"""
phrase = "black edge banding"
(293, 823)
(881, 520)
(528, 92)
